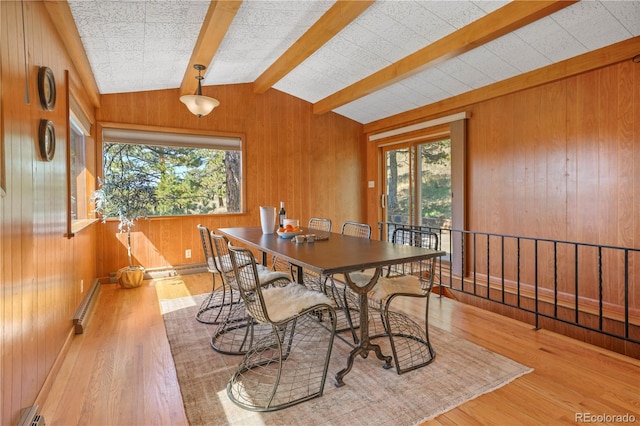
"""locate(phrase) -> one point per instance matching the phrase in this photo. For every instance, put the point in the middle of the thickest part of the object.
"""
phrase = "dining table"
(330, 254)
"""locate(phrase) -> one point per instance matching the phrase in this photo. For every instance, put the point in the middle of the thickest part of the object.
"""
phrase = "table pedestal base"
(364, 352)
(365, 345)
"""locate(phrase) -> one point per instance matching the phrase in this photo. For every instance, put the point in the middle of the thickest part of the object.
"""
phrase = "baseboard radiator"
(81, 317)
(31, 417)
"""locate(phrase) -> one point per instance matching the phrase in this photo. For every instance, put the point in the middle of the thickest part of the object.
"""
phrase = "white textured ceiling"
(146, 45)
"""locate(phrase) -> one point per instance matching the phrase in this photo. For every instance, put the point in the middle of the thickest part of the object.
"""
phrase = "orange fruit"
(281, 230)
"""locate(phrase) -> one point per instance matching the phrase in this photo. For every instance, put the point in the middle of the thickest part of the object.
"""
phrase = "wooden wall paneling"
(609, 173)
(39, 282)
(586, 158)
(547, 162)
(279, 132)
(625, 134)
(3, 280)
(6, 44)
(634, 266)
(20, 117)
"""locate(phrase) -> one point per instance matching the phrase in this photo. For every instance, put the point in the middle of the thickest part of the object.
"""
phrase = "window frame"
(102, 126)
(77, 119)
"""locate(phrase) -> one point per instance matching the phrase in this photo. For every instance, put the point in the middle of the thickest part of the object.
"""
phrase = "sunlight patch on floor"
(172, 293)
(237, 415)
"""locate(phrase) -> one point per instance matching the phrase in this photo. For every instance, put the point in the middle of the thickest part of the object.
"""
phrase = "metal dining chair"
(235, 332)
(346, 300)
(409, 339)
(309, 278)
(217, 304)
(356, 229)
(289, 363)
(322, 225)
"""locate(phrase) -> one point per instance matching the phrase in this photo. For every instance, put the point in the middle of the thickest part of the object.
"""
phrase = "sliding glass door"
(397, 201)
(417, 183)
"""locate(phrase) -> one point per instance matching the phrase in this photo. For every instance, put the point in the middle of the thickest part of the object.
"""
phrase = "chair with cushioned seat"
(216, 306)
(409, 339)
(289, 363)
(315, 224)
(346, 299)
(309, 278)
(235, 333)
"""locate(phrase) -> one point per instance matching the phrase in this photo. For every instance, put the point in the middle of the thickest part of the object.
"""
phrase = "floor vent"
(81, 316)
(30, 417)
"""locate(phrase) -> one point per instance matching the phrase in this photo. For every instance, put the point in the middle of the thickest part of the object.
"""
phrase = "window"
(79, 178)
(78, 173)
(423, 178)
(185, 174)
(418, 183)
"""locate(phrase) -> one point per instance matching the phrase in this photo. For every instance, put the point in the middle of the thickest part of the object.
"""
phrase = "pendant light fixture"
(198, 104)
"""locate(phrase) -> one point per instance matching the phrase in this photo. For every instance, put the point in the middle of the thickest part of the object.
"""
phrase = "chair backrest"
(223, 260)
(356, 229)
(320, 224)
(248, 282)
(417, 238)
(209, 255)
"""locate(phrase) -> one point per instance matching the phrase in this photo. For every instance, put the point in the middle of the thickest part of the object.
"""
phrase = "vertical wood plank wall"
(40, 269)
(560, 161)
(315, 164)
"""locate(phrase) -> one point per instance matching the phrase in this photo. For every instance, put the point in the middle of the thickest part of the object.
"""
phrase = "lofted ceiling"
(362, 59)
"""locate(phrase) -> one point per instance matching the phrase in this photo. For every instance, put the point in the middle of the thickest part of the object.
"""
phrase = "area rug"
(372, 395)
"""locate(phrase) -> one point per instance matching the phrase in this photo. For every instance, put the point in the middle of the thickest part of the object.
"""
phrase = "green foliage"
(146, 180)
(183, 180)
(435, 181)
(126, 192)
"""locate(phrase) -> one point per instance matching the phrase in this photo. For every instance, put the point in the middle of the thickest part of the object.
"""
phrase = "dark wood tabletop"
(337, 254)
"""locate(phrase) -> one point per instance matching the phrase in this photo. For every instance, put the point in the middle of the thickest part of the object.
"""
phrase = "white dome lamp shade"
(199, 105)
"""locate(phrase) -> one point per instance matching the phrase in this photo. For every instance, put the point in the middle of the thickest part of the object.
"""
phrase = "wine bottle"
(282, 214)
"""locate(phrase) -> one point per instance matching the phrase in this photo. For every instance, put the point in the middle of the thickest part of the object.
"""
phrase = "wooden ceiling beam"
(62, 18)
(341, 14)
(508, 18)
(605, 56)
(215, 26)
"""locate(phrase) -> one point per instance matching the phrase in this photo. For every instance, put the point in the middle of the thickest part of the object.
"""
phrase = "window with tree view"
(201, 178)
(418, 184)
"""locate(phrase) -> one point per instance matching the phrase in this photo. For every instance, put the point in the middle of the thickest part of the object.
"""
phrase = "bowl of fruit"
(289, 231)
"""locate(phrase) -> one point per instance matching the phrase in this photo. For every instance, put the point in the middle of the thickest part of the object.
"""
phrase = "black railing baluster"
(555, 279)
(535, 279)
(600, 301)
(488, 268)
(626, 294)
(576, 290)
(518, 282)
(475, 263)
(462, 259)
(502, 272)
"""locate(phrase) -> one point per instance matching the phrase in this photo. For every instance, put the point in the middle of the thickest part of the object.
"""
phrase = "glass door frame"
(384, 150)
(414, 212)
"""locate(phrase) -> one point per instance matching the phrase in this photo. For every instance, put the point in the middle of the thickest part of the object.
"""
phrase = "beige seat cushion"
(385, 287)
(266, 275)
(286, 302)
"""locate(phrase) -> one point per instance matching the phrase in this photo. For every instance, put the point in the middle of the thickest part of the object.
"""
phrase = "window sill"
(79, 225)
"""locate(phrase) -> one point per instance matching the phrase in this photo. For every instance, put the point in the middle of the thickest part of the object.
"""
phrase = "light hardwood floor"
(120, 371)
